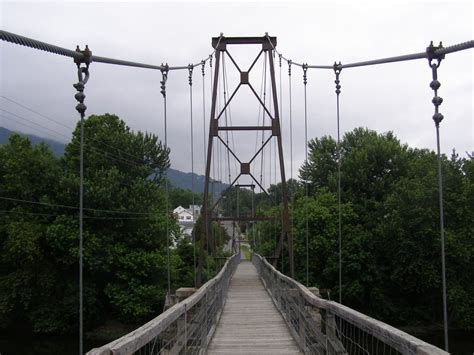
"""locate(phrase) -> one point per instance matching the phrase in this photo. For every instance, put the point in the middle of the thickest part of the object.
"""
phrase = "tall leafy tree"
(391, 247)
(28, 277)
(125, 250)
(125, 241)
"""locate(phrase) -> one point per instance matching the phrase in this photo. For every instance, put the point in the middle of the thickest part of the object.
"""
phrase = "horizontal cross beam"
(221, 42)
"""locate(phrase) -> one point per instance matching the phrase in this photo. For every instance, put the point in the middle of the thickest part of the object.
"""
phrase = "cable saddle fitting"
(86, 56)
(433, 52)
(83, 77)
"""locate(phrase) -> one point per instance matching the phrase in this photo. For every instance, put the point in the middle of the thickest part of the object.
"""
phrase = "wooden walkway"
(250, 322)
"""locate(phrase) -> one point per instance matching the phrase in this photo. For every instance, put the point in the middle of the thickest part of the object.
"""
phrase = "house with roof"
(186, 218)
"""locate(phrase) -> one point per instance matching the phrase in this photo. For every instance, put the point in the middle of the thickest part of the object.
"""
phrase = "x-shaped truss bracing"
(268, 45)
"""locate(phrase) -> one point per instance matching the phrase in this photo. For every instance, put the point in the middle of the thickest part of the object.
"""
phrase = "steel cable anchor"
(83, 77)
(164, 74)
(434, 61)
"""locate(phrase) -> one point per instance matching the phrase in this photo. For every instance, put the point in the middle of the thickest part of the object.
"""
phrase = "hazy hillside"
(184, 181)
(176, 177)
(56, 147)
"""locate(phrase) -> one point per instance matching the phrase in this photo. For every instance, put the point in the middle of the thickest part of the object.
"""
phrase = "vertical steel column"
(206, 213)
(285, 223)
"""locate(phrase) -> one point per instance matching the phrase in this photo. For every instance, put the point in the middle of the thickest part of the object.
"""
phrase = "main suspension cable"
(422, 55)
(43, 46)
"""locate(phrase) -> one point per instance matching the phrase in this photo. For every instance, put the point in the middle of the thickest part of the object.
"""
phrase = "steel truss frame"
(220, 45)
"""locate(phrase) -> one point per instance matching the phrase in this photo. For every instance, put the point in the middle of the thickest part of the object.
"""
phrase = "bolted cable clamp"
(83, 76)
(86, 56)
(435, 53)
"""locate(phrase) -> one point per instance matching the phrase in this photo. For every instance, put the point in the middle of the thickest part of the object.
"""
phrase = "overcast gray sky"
(394, 97)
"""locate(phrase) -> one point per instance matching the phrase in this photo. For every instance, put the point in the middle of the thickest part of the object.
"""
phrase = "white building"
(186, 219)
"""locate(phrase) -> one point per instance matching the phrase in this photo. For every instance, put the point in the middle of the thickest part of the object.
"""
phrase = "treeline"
(391, 249)
(125, 224)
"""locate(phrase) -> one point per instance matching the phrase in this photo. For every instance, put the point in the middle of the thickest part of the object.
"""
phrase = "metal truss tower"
(221, 45)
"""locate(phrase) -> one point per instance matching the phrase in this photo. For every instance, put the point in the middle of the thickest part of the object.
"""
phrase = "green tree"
(391, 247)
(184, 198)
(124, 251)
(125, 223)
(28, 273)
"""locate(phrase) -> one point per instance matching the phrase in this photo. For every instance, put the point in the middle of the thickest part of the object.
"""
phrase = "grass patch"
(245, 249)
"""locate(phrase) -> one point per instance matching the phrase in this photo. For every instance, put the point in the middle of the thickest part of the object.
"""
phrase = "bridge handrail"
(388, 335)
(140, 337)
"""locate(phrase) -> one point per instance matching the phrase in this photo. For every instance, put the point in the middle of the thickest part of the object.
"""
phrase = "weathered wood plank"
(250, 322)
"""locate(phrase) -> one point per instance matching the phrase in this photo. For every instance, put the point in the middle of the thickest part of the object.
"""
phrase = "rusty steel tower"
(221, 45)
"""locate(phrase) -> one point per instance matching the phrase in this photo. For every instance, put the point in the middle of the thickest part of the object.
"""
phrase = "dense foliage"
(391, 264)
(183, 197)
(125, 243)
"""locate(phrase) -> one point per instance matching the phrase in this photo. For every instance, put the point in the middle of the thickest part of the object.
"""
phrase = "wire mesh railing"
(185, 328)
(325, 327)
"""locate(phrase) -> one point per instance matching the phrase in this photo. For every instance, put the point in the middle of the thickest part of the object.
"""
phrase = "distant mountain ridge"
(56, 147)
(178, 179)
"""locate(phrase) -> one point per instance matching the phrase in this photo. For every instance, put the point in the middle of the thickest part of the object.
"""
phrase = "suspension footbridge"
(250, 307)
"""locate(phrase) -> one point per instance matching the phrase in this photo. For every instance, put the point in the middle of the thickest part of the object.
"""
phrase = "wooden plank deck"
(250, 322)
